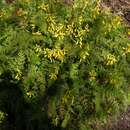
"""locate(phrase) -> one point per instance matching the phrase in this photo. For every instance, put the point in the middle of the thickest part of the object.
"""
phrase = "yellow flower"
(83, 55)
(92, 75)
(33, 26)
(18, 74)
(30, 94)
(43, 6)
(79, 35)
(53, 76)
(110, 59)
(37, 33)
(56, 29)
(96, 12)
(54, 54)
(80, 19)
(126, 50)
(38, 50)
(128, 32)
(69, 29)
(116, 22)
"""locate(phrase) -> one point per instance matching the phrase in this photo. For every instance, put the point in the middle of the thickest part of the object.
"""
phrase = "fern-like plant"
(70, 60)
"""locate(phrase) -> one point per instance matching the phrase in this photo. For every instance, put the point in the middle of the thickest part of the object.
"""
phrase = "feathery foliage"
(65, 65)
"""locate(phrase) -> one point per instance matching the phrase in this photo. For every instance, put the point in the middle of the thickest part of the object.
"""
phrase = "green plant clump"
(63, 64)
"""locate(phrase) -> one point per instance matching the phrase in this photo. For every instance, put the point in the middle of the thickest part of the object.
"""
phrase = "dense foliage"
(63, 64)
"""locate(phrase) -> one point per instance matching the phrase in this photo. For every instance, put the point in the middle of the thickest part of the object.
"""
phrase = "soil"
(122, 122)
(121, 7)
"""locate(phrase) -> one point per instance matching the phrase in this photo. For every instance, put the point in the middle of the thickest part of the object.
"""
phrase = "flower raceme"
(110, 59)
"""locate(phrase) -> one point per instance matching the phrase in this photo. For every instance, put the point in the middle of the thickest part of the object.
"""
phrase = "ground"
(121, 7)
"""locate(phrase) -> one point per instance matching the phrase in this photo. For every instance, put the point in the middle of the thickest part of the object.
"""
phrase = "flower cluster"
(126, 50)
(60, 30)
(57, 29)
(96, 12)
(110, 59)
(92, 75)
(83, 55)
(56, 53)
(18, 74)
(116, 22)
(44, 7)
(53, 76)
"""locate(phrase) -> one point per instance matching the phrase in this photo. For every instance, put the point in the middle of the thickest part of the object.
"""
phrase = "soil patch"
(121, 7)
